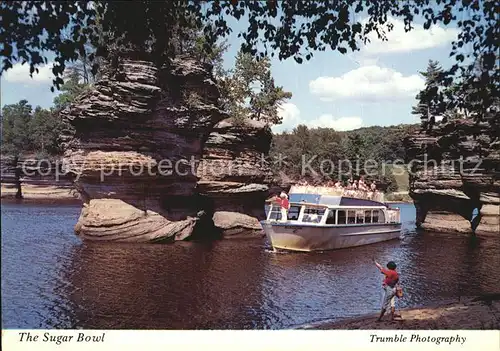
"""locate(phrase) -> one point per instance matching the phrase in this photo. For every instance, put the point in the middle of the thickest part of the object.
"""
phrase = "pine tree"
(71, 89)
(429, 104)
(249, 91)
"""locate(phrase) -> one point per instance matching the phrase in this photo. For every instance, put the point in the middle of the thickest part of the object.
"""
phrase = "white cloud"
(368, 83)
(416, 39)
(20, 73)
(340, 124)
(289, 112)
(292, 118)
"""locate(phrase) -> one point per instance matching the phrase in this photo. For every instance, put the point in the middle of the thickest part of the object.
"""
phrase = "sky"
(374, 86)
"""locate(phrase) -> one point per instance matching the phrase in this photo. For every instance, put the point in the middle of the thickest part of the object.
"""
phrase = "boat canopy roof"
(332, 196)
(329, 200)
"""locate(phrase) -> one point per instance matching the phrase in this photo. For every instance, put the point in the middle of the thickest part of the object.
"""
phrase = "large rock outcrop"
(134, 144)
(455, 169)
(234, 177)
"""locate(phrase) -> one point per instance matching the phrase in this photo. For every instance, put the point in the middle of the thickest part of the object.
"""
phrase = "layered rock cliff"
(134, 144)
(33, 178)
(455, 172)
(234, 177)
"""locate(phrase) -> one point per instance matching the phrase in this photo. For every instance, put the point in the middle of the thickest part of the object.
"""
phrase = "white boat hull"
(310, 237)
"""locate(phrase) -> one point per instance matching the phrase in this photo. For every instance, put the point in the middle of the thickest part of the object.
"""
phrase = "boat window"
(293, 213)
(351, 217)
(360, 217)
(313, 215)
(342, 218)
(368, 216)
(331, 217)
(275, 213)
(378, 216)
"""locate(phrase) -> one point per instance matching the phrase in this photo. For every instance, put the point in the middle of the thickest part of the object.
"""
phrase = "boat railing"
(335, 191)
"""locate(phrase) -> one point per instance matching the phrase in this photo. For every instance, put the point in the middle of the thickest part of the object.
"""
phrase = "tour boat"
(320, 219)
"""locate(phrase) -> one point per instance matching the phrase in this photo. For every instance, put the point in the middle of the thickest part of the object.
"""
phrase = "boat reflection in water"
(324, 219)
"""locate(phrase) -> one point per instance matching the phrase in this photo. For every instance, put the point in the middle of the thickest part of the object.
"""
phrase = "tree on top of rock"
(467, 97)
(474, 96)
(429, 104)
(249, 91)
(73, 86)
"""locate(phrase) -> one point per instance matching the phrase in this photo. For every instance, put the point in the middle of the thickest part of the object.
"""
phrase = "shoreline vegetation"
(480, 312)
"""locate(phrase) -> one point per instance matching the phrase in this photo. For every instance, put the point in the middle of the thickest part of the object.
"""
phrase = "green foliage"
(401, 197)
(249, 90)
(471, 96)
(70, 90)
(429, 104)
(192, 98)
(25, 130)
(45, 128)
(325, 147)
(16, 136)
(33, 29)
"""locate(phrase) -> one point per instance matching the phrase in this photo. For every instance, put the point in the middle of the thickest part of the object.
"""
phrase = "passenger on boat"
(285, 206)
(389, 286)
(362, 184)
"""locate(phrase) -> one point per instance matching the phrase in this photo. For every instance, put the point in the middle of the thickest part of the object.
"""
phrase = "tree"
(473, 95)
(325, 147)
(468, 97)
(45, 127)
(429, 104)
(30, 30)
(16, 136)
(71, 89)
(249, 91)
(27, 130)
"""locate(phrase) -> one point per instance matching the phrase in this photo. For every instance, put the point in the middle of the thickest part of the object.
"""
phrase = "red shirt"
(391, 277)
(284, 203)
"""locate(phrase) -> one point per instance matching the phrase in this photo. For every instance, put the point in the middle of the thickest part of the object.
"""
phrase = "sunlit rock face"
(234, 175)
(456, 172)
(134, 145)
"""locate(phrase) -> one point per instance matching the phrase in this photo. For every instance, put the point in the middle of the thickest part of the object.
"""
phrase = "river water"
(51, 279)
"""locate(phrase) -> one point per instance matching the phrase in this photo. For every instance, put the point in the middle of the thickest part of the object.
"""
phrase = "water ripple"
(50, 279)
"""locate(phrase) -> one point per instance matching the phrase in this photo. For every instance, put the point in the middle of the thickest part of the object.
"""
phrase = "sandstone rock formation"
(455, 168)
(134, 144)
(33, 178)
(234, 176)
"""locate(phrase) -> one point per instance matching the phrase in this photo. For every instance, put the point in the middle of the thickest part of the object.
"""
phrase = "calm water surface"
(50, 279)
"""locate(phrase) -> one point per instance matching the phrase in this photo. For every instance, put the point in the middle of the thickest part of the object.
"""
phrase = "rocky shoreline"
(482, 312)
(29, 179)
(40, 193)
(455, 177)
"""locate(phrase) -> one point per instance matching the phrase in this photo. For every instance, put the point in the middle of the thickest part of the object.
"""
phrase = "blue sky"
(374, 86)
